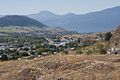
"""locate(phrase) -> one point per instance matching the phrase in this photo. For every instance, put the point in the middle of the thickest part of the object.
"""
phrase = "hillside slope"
(115, 40)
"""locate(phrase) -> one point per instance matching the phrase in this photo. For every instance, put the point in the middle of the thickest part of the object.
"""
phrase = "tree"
(1, 52)
(4, 57)
(108, 36)
(7, 51)
(79, 40)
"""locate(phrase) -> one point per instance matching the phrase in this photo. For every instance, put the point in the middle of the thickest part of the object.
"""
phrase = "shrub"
(98, 48)
(101, 47)
(89, 52)
(15, 56)
(65, 52)
(79, 51)
(102, 51)
(26, 49)
(23, 54)
(41, 50)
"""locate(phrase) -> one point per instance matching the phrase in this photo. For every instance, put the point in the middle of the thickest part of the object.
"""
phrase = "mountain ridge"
(44, 15)
(98, 21)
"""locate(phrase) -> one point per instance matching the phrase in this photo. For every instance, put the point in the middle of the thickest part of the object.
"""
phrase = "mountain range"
(98, 21)
(23, 24)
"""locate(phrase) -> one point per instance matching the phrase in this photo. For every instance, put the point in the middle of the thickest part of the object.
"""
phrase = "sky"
(24, 7)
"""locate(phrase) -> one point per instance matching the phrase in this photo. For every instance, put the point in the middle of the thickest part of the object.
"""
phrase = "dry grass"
(12, 29)
(63, 67)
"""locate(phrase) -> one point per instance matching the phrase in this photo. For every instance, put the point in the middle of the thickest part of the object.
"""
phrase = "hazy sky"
(56, 6)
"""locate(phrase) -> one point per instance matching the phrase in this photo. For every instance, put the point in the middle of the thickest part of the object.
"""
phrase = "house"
(3, 46)
(32, 52)
(114, 51)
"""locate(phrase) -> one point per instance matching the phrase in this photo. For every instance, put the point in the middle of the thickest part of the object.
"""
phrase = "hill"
(115, 40)
(62, 67)
(98, 21)
(15, 20)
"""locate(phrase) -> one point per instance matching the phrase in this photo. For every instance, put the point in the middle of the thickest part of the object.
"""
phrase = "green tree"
(108, 36)
(1, 52)
(7, 51)
(4, 57)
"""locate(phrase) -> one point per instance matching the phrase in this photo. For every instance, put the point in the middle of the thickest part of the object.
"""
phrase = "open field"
(13, 29)
(63, 67)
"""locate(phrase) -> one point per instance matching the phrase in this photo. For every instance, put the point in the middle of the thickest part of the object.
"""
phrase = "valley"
(67, 46)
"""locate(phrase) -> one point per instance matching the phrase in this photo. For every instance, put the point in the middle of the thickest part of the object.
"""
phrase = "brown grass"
(63, 67)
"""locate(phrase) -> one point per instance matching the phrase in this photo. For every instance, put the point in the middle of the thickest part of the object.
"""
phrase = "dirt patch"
(29, 74)
(53, 65)
(115, 60)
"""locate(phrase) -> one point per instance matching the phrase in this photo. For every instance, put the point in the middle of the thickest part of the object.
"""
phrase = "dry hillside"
(63, 67)
(115, 41)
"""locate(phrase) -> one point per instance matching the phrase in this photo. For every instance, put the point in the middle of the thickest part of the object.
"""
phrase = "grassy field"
(12, 29)
(63, 67)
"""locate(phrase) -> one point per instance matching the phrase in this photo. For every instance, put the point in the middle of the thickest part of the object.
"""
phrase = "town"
(29, 46)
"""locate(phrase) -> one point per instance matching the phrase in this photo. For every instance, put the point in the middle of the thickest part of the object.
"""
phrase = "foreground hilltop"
(15, 20)
(63, 67)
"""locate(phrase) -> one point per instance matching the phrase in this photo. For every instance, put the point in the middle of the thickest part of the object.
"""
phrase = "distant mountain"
(20, 24)
(104, 20)
(44, 16)
(16, 20)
